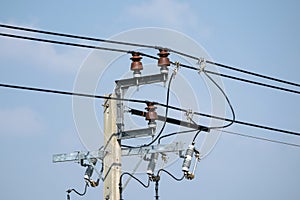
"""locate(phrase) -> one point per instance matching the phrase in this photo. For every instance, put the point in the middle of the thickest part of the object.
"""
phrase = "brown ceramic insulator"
(136, 64)
(163, 58)
(151, 115)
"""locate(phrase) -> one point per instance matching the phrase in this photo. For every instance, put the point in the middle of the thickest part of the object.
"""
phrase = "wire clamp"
(189, 115)
(202, 63)
(176, 68)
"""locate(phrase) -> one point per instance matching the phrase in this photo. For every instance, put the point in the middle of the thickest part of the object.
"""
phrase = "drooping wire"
(166, 112)
(73, 190)
(227, 100)
(171, 175)
(135, 178)
(195, 137)
(143, 101)
(165, 121)
(157, 179)
(174, 133)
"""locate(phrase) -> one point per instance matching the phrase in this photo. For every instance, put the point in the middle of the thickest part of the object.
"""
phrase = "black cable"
(166, 113)
(230, 120)
(165, 121)
(260, 138)
(253, 73)
(135, 178)
(228, 101)
(77, 37)
(175, 178)
(195, 137)
(156, 103)
(252, 82)
(64, 43)
(147, 46)
(73, 190)
(174, 133)
(70, 93)
(242, 79)
(153, 57)
(236, 69)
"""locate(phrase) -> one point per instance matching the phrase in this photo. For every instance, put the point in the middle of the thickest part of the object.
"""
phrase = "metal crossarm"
(77, 156)
(100, 154)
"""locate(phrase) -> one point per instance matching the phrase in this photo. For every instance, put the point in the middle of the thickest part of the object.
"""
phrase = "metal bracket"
(137, 133)
(100, 154)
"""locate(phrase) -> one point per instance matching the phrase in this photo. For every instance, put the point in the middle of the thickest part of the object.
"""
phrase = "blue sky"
(259, 36)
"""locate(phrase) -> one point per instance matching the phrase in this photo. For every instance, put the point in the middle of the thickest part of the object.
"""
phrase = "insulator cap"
(136, 65)
(163, 60)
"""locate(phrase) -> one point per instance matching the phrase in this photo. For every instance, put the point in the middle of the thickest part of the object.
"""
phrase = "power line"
(64, 43)
(146, 46)
(147, 55)
(235, 121)
(70, 93)
(260, 138)
(237, 69)
(144, 101)
(77, 36)
(252, 82)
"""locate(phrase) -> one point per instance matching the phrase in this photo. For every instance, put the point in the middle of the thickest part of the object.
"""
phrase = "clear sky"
(259, 36)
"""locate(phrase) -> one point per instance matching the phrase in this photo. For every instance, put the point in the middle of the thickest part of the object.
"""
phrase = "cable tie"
(202, 63)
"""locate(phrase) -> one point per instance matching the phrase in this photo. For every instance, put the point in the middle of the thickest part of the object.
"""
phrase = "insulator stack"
(136, 65)
(163, 61)
(151, 115)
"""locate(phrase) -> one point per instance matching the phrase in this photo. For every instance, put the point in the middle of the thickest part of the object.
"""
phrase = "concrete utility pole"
(112, 161)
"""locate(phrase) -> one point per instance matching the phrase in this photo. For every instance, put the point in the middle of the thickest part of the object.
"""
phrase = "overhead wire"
(227, 100)
(64, 43)
(260, 138)
(146, 46)
(76, 36)
(144, 101)
(236, 69)
(153, 57)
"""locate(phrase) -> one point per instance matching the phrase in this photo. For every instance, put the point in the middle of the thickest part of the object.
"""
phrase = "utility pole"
(114, 132)
(112, 160)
